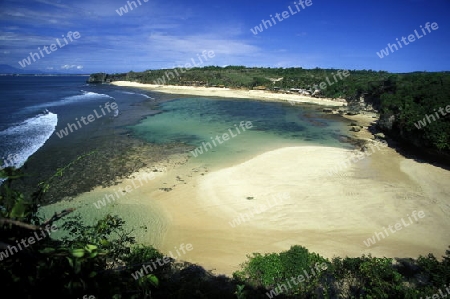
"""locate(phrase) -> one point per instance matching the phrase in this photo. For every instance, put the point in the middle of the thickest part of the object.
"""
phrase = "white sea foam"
(139, 94)
(146, 96)
(24, 139)
(85, 96)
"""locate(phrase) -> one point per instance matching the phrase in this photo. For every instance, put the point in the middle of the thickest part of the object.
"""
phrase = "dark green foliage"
(268, 271)
(98, 260)
(401, 99)
(368, 277)
(435, 272)
(261, 270)
(412, 98)
(242, 77)
(360, 277)
(259, 81)
(92, 260)
(76, 265)
(142, 253)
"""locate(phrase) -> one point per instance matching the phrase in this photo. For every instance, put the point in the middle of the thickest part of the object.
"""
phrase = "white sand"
(232, 93)
(330, 215)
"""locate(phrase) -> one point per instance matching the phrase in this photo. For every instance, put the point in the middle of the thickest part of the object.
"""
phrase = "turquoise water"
(195, 120)
(274, 125)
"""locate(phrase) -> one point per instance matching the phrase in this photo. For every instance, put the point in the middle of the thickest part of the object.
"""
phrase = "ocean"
(202, 123)
(33, 108)
(143, 131)
(48, 121)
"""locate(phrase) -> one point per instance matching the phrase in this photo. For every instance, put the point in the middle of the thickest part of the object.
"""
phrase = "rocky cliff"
(97, 78)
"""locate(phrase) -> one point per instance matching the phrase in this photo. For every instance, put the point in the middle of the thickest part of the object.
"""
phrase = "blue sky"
(156, 34)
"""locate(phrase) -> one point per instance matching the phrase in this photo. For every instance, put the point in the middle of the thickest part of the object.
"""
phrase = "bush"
(269, 271)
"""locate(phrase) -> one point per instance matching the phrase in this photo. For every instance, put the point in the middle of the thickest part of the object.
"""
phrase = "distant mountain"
(7, 69)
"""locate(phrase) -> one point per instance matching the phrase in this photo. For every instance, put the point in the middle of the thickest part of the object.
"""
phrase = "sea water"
(34, 108)
(190, 120)
(198, 121)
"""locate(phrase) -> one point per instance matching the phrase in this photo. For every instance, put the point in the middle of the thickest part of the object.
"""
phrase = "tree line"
(403, 101)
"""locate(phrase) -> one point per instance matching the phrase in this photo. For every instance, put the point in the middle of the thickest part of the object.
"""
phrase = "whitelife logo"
(394, 228)
(33, 56)
(124, 9)
(108, 198)
(90, 118)
(430, 117)
(411, 38)
(440, 294)
(285, 14)
(27, 242)
(261, 208)
(161, 262)
(199, 150)
(170, 75)
(296, 280)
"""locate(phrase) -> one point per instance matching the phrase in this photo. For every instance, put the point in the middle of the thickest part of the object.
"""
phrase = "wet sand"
(329, 214)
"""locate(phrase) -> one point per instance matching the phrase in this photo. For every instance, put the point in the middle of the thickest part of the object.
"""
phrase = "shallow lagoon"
(197, 121)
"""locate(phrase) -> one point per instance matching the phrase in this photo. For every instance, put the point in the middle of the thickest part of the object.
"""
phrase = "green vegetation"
(99, 259)
(270, 78)
(409, 99)
(401, 99)
(361, 277)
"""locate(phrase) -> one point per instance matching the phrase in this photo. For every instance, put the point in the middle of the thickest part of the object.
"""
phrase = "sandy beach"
(232, 93)
(287, 197)
(330, 215)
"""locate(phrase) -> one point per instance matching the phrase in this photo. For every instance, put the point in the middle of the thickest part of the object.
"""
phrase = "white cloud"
(14, 14)
(189, 45)
(69, 67)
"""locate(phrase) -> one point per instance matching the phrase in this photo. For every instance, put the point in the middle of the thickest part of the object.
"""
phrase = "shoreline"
(329, 215)
(365, 120)
(332, 216)
(232, 93)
